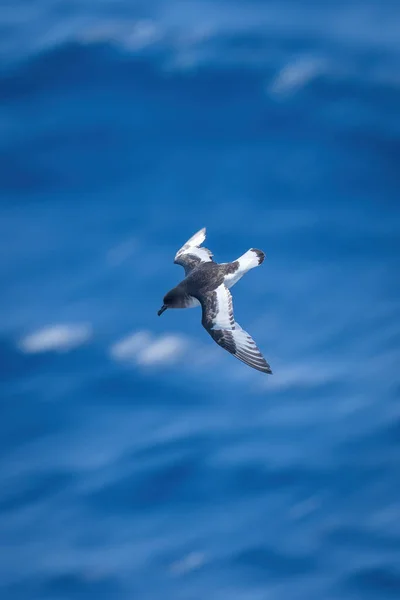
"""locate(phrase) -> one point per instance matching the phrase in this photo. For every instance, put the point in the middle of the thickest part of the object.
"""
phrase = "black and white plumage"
(207, 284)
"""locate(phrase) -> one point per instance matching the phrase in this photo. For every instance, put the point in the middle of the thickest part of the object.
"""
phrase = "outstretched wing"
(220, 323)
(191, 254)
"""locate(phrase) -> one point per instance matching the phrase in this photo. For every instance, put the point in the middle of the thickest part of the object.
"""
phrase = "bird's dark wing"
(220, 323)
(191, 254)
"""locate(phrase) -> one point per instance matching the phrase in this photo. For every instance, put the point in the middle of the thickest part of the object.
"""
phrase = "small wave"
(186, 25)
(61, 338)
(143, 348)
(120, 253)
(296, 75)
(132, 35)
(305, 375)
(194, 560)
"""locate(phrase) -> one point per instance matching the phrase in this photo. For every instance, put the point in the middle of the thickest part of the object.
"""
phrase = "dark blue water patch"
(128, 385)
(195, 111)
(305, 392)
(164, 451)
(300, 479)
(88, 67)
(149, 488)
(364, 325)
(375, 582)
(154, 481)
(39, 166)
(259, 51)
(366, 447)
(352, 94)
(76, 585)
(170, 476)
(380, 153)
(40, 392)
(14, 364)
(268, 564)
(19, 176)
(356, 539)
(227, 91)
(25, 419)
(50, 70)
(34, 489)
(73, 264)
(57, 365)
(69, 585)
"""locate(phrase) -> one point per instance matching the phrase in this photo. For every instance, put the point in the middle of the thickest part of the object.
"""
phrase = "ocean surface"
(138, 460)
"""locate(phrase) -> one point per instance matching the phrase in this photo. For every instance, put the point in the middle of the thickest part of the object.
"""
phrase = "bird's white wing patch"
(196, 240)
(192, 254)
(222, 317)
(219, 321)
(202, 254)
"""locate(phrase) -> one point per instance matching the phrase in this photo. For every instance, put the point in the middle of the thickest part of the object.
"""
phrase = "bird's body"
(207, 285)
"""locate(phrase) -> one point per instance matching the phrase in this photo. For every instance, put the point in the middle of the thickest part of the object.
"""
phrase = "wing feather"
(219, 322)
(192, 254)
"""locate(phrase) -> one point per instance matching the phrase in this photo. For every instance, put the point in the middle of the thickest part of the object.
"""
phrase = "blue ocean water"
(138, 459)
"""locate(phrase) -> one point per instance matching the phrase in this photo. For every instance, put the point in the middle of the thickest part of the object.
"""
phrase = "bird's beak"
(162, 309)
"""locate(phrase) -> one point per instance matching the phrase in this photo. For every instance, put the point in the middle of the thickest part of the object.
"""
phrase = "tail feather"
(250, 259)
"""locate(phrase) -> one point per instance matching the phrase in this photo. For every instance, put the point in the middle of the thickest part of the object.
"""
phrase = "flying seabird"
(207, 284)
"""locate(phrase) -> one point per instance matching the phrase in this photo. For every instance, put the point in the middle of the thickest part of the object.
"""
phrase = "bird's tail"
(250, 259)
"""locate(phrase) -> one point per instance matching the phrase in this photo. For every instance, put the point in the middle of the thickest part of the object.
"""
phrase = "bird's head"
(173, 299)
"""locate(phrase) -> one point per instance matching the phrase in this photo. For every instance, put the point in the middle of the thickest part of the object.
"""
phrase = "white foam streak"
(191, 31)
(133, 35)
(306, 375)
(165, 349)
(143, 348)
(61, 338)
(130, 347)
(296, 75)
(192, 561)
